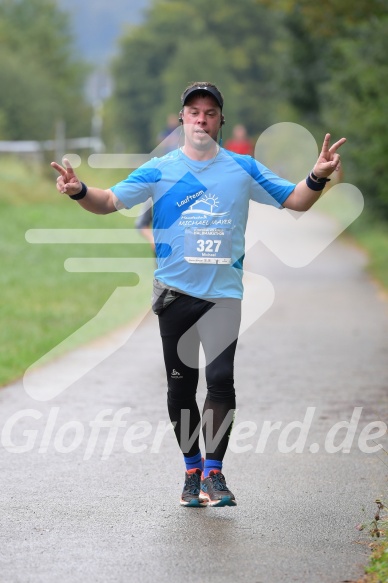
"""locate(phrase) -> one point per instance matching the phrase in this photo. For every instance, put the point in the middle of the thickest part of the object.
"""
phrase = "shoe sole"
(196, 503)
(224, 501)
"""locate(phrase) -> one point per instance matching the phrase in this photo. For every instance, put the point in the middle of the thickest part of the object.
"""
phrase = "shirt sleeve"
(138, 186)
(267, 187)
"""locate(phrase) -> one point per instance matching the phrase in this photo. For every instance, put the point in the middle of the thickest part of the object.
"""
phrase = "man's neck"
(200, 155)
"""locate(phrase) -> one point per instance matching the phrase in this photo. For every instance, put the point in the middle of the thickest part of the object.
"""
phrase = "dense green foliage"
(356, 102)
(231, 44)
(40, 80)
(337, 59)
(322, 65)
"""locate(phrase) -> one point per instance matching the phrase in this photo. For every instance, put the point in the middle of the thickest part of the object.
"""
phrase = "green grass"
(42, 304)
(378, 564)
(370, 233)
(377, 568)
(374, 239)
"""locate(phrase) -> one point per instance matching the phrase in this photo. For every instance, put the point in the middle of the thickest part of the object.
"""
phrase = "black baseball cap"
(203, 88)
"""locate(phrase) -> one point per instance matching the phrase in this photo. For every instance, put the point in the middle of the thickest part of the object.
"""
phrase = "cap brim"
(203, 89)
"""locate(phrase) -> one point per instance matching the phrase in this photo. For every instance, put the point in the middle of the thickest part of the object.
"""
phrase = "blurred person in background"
(143, 223)
(239, 142)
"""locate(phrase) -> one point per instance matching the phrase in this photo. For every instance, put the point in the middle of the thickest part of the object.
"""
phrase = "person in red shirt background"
(239, 142)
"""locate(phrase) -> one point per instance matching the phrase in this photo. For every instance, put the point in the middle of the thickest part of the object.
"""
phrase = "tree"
(182, 42)
(330, 18)
(40, 79)
(336, 77)
(27, 102)
(356, 99)
(320, 65)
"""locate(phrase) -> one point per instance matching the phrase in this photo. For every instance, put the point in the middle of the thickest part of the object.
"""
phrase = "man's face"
(201, 121)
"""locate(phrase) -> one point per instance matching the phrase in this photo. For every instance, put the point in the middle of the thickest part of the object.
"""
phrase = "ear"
(223, 120)
(180, 118)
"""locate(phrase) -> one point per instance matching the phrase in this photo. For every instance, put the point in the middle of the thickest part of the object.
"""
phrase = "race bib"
(208, 245)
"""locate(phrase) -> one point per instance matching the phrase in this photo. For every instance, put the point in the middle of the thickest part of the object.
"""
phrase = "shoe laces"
(218, 481)
(192, 484)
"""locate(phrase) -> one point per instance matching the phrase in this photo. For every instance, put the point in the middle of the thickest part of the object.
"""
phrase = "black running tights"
(185, 324)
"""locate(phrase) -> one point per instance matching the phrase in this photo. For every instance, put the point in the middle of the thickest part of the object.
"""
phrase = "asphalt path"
(100, 504)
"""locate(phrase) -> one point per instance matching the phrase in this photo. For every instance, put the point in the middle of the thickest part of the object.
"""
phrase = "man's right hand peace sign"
(67, 181)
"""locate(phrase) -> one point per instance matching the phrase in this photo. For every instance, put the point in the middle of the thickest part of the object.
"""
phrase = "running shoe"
(190, 493)
(215, 491)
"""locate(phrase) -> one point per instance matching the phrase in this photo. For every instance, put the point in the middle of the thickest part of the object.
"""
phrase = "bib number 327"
(208, 246)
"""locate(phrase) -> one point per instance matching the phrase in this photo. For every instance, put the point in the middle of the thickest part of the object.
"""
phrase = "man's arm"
(94, 200)
(307, 192)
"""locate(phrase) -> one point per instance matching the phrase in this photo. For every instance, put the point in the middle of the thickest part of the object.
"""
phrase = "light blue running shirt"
(200, 214)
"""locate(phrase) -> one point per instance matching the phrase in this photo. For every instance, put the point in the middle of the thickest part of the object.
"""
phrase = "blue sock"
(193, 462)
(211, 465)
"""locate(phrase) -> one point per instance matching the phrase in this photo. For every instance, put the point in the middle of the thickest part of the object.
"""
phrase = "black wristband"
(81, 194)
(313, 185)
(317, 179)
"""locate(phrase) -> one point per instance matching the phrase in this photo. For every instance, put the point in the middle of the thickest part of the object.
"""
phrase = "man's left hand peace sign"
(328, 160)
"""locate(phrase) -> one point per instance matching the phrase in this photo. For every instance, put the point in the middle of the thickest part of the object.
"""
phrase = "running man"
(201, 194)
